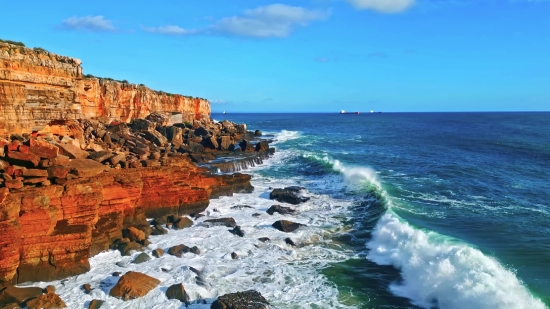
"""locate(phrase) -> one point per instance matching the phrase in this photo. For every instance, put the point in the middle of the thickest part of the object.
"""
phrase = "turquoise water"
(451, 210)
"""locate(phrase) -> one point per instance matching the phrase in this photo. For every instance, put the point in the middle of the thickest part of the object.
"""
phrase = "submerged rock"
(241, 300)
(291, 195)
(228, 222)
(177, 291)
(237, 231)
(181, 249)
(286, 226)
(280, 209)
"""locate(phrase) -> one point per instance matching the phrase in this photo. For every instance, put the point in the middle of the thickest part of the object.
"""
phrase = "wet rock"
(291, 195)
(249, 299)
(87, 288)
(201, 132)
(286, 226)
(116, 274)
(17, 295)
(177, 291)
(96, 304)
(158, 253)
(181, 249)
(133, 285)
(142, 258)
(258, 133)
(280, 209)
(125, 246)
(158, 230)
(50, 289)
(241, 207)
(10, 306)
(246, 146)
(46, 301)
(237, 231)
(261, 146)
(256, 215)
(228, 222)
(264, 239)
(290, 242)
(133, 234)
(234, 255)
(182, 223)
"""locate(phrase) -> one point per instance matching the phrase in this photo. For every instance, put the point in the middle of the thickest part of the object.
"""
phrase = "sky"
(309, 55)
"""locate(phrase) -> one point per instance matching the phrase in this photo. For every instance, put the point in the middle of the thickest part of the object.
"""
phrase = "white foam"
(285, 136)
(286, 276)
(438, 271)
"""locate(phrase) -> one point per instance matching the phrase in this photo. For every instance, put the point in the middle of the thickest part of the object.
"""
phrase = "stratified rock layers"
(50, 232)
(38, 87)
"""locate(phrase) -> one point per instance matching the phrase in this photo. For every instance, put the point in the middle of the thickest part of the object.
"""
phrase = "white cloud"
(218, 101)
(383, 6)
(275, 20)
(175, 30)
(91, 23)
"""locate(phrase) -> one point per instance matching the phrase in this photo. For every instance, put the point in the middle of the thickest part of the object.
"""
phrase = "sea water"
(417, 210)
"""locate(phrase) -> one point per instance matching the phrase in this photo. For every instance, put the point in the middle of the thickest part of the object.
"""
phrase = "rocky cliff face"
(37, 87)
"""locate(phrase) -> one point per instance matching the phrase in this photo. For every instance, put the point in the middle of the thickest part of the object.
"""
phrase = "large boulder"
(241, 300)
(262, 146)
(46, 301)
(246, 146)
(158, 118)
(181, 249)
(280, 209)
(133, 285)
(142, 258)
(227, 222)
(182, 223)
(177, 291)
(72, 151)
(291, 195)
(43, 149)
(17, 295)
(286, 226)
(86, 167)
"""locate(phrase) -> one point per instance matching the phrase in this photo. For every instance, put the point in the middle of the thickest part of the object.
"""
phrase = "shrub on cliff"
(12, 42)
(40, 49)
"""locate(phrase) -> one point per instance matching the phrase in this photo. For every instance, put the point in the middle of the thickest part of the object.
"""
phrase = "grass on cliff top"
(12, 42)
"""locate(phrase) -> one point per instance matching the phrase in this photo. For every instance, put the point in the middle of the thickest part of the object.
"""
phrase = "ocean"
(407, 210)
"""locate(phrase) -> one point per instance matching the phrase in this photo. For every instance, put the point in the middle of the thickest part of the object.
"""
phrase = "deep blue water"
(452, 209)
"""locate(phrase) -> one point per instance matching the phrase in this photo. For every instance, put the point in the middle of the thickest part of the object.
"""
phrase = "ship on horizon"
(344, 112)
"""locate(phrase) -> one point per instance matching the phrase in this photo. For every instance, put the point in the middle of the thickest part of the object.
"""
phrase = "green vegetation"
(39, 49)
(12, 42)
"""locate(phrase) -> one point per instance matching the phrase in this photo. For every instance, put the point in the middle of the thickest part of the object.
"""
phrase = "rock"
(225, 142)
(126, 247)
(133, 285)
(142, 258)
(175, 136)
(246, 146)
(241, 300)
(13, 294)
(34, 173)
(159, 230)
(87, 288)
(58, 171)
(286, 226)
(155, 137)
(72, 151)
(10, 306)
(258, 133)
(43, 149)
(237, 231)
(289, 242)
(60, 160)
(264, 239)
(181, 249)
(46, 301)
(256, 214)
(100, 156)
(158, 253)
(183, 223)
(234, 255)
(201, 132)
(228, 222)
(280, 209)
(261, 146)
(27, 157)
(13, 184)
(290, 195)
(133, 234)
(4, 165)
(86, 168)
(177, 291)
(117, 158)
(142, 125)
(96, 304)
(241, 207)
(50, 289)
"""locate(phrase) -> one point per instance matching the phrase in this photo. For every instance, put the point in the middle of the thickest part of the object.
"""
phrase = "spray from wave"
(437, 271)
(284, 136)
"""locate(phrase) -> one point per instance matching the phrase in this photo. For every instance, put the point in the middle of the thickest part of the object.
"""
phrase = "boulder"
(227, 222)
(87, 288)
(158, 118)
(158, 253)
(58, 171)
(155, 137)
(10, 306)
(158, 230)
(201, 132)
(175, 136)
(96, 304)
(133, 285)
(17, 295)
(182, 223)
(262, 146)
(280, 209)
(286, 226)
(234, 255)
(264, 239)
(249, 299)
(177, 291)
(100, 156)
(72, 151)
(142, 258)
(50, 289)
(246, 146)
(26, 157)
(60, 160)
(43, 149)
(46, 301)
(142, 125)
(225, 142)
(34, 173)
(133, 234)
(237, 231)
(86, 168)
(181, 249)
(258, 133)
(291, 195)
(3, 165)
(290, 242)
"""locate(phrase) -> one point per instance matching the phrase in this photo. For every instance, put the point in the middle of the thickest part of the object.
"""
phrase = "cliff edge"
(38, 87)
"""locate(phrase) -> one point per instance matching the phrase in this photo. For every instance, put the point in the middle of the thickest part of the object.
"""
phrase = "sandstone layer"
(38, 87)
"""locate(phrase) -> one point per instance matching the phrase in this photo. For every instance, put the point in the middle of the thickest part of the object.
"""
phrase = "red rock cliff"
(37, 87)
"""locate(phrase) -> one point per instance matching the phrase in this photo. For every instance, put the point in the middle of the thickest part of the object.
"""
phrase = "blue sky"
(310, 55)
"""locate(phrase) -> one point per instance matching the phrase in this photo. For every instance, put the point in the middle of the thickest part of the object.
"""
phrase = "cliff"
(37, 87)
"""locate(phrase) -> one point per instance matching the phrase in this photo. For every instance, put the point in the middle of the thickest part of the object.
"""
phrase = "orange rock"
(43, 149)
(46, 301)
(133, 285)
(24, 157)
(135, 234)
